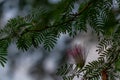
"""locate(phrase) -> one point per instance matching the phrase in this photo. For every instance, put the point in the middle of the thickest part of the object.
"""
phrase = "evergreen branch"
(5, 38)
(68, 21)
(77, 14)
(26, 30)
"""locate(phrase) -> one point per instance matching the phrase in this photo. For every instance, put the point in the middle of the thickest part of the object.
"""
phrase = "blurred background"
(37, 63)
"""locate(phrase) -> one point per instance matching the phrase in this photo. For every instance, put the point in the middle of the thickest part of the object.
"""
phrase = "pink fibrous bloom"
(78, 54)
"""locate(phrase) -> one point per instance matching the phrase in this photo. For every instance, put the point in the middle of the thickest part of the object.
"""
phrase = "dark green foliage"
(64, 69)
(67, 72)
(93, 69)
(3, 51)
(45, 24)
(117, 65)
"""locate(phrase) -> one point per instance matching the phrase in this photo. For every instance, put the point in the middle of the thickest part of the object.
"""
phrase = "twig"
(68, 21)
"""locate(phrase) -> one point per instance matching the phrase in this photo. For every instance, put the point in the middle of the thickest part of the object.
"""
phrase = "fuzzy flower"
(78, 54)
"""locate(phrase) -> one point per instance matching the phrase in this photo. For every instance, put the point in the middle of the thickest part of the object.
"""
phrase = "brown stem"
(104, 74)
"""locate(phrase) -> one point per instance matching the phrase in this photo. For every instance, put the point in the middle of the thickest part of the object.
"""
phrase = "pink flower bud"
(78, 54)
